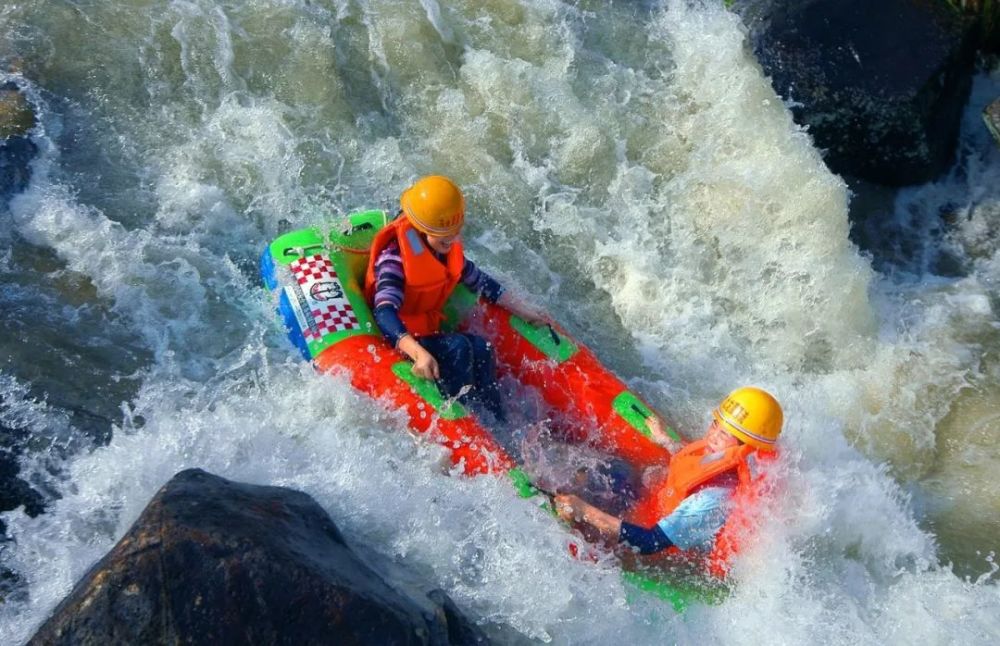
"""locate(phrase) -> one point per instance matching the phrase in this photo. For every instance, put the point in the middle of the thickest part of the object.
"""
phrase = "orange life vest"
(696, 465)
(428, 282)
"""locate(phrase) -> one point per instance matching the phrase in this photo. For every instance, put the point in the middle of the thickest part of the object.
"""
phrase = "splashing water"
(627, 167)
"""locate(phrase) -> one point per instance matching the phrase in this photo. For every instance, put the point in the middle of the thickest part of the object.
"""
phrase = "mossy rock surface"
(991, 115)
(16, 115)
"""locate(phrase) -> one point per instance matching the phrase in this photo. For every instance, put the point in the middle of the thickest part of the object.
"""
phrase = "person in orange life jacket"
(701, 479)
(415, 264)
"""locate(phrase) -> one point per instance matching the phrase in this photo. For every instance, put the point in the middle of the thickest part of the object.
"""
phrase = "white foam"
(669, 212)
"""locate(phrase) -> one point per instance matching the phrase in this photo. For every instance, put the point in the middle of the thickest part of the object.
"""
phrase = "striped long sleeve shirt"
(390, 283)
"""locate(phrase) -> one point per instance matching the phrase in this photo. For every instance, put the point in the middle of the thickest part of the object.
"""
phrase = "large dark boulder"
(881, 85)
(211, 561)
(17, 150)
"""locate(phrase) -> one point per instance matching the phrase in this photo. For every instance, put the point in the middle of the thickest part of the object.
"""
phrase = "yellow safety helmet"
(752, 416)
(435, 206)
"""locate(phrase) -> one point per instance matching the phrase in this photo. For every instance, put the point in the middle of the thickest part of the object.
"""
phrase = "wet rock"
(17, 150)
(14, 491)
(16, 115)
(214, 561)
(880, 85)
(987, 15)
(991, 115)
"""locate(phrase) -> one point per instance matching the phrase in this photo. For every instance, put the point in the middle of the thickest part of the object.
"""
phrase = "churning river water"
(628, 168)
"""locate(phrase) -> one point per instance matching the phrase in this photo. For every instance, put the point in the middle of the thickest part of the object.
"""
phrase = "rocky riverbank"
(17, 118)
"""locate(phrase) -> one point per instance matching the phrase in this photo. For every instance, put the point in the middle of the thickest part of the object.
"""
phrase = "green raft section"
(346, 245)
(682, 592)
(681, 587)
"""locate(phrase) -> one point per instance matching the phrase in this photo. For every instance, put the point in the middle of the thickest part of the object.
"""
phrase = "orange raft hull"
(368, 361)
(582, 391)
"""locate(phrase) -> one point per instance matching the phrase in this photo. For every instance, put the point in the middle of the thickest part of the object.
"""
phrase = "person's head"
(435, 206)
(749, 415)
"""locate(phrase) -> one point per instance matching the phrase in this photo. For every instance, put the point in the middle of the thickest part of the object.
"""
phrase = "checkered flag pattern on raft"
(329, 316)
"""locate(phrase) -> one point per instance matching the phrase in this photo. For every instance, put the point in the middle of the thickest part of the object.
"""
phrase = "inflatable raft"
(317, 277)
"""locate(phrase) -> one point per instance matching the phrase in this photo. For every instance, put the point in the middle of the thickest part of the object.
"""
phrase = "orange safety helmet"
(751, 415)
(434, 205)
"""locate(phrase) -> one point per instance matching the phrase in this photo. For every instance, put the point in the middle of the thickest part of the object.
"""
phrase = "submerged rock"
(17, 150)
(880, 85)
(16, 115)
(214, 561)
(15, 492)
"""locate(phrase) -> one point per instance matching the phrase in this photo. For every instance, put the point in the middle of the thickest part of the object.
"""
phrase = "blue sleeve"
(480, 282)
(696, 521)
(490, 288)
(647, 541)
(388, 322)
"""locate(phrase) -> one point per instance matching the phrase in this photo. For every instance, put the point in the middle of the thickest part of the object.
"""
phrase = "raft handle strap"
(640, 411)
(351, 229)
(551, 495)
(552, 331)
(301, 251)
